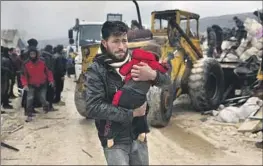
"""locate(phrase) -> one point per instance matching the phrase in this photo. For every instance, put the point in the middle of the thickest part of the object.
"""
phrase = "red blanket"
(139, 55)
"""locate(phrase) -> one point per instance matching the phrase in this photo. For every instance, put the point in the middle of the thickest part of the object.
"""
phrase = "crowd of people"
(39, 76)
(215, 36)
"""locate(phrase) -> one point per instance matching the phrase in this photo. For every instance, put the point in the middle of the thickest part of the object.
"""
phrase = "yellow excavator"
(201, 78)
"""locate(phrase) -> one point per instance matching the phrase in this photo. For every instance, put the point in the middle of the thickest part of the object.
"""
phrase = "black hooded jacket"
(48, 57)
(60, 62)
(7, 68)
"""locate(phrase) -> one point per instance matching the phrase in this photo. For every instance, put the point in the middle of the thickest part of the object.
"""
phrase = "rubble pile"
(253, 44)
(233, 114)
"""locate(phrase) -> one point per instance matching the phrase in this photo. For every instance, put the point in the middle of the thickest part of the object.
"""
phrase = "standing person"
(102, 82)
(35, 78)
(71, 53)
(60, 69)
(6, 75)
(19, 64)
(241, 32)
(14, 59)
(49, 60)
(32, 43)
(211, 41)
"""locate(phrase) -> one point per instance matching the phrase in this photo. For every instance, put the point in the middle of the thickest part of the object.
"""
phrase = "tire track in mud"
(191, 142)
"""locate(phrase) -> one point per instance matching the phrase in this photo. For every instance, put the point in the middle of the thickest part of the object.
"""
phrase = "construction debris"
(9, 146)
(235, 114)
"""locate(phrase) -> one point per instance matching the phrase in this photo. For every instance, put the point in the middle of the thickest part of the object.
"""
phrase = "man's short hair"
(59, 48)
(115, 28)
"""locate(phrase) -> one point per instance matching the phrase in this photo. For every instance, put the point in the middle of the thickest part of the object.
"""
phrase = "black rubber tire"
(206, 84)
(159, 116)
(79, 96)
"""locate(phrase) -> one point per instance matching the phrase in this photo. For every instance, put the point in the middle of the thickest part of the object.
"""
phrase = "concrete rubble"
(233, 114)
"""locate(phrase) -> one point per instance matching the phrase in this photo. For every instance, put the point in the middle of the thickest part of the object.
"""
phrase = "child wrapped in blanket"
(133, 93)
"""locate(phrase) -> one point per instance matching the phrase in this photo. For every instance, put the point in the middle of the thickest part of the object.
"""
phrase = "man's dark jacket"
(102, 82)
(49, 60)
(60, 65)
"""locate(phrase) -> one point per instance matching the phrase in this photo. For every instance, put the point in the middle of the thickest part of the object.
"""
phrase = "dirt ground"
(64, 137)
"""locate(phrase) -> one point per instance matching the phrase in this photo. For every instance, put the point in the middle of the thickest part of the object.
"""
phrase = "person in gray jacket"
(211, 41)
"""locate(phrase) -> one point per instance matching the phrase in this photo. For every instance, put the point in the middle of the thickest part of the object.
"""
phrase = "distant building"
(12, 38)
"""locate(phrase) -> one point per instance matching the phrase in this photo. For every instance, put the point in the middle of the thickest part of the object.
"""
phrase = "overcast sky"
(47, 19)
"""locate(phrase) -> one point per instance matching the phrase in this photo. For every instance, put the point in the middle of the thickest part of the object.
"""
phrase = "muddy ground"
(64, 137)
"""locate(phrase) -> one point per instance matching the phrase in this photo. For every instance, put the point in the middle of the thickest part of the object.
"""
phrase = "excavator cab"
(178, 26)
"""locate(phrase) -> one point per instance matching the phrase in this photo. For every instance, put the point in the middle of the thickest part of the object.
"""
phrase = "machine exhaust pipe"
(138, 13)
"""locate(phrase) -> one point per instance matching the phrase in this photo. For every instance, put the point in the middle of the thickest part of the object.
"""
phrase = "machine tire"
(159, 115)
(206, 84)
(79, 96)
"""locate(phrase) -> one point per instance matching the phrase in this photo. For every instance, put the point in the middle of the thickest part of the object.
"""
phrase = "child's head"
(154, 48)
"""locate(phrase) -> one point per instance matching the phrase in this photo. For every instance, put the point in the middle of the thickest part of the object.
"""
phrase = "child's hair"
(153, 48)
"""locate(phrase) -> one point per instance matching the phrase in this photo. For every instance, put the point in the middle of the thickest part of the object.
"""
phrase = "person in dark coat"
(241, 32)
(259, 15)
(102, 80)
(7, 73)
(211, 41)
(17, 63)
(35, 79)
(49, 60)
(60, 69)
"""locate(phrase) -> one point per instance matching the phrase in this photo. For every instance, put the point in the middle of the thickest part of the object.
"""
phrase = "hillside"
(223, 21)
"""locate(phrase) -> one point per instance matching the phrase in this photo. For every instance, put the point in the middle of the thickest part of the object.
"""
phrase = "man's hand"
(140, 111)
(26, 88)
(51, 84)
(143, 72)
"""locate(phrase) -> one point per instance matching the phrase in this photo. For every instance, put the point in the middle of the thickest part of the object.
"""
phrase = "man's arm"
(24, 76)
(96, 105)
(144, 72)
(49, 74)
(161, 79)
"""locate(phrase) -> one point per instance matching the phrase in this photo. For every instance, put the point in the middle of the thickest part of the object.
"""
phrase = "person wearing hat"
(115, 124)
(25, 56)
(35, 78)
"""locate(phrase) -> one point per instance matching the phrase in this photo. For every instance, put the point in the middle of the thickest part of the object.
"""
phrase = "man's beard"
(115, 59)
(33, 59)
